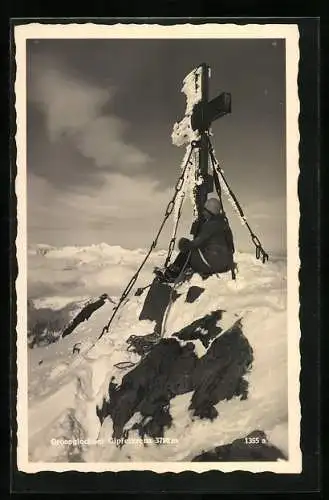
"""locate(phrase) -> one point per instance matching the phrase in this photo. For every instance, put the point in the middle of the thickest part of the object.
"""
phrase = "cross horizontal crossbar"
(205, 113)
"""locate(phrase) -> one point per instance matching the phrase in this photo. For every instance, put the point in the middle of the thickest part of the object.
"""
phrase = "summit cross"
(198, 121)
(205, 112)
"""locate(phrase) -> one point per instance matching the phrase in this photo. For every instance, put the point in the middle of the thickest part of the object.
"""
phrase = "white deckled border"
(130, 31)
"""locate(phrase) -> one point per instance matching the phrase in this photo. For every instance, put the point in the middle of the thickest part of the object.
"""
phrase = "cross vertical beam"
(205, 187)
(204, 112)
(202, 190)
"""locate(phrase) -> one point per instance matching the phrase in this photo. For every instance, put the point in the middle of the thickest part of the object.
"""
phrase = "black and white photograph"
(157, 247)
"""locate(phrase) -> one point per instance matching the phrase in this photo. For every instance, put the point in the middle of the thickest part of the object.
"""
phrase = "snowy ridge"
(65, 387)
(56, 303)
(90, 253)
(61, 274)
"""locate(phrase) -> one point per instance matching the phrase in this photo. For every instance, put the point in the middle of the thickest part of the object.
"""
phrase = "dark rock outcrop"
(218, 375)
(170, 369)
(204, 329)
(193, 294)
(85, 314)
(155, 303)
(45, 325)
(148, 388)
(253, 447)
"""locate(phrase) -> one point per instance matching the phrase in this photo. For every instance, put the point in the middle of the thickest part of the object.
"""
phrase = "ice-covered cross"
(200, 113)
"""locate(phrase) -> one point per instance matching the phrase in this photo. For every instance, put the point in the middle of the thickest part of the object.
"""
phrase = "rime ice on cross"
(199, 115)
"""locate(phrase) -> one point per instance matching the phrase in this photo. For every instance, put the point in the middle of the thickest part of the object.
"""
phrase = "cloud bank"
(78, 110)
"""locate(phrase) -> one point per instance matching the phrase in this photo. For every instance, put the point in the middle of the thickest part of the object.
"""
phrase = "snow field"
(70, 386)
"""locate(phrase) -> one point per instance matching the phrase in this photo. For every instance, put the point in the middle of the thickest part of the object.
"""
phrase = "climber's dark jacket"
(212, 248)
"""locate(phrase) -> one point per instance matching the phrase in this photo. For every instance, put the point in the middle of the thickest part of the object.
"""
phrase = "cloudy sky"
(101, 165)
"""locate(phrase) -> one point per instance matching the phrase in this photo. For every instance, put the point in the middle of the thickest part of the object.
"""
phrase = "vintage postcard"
(157, 246)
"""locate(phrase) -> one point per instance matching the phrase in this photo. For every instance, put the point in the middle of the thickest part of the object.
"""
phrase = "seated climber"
(210, 252)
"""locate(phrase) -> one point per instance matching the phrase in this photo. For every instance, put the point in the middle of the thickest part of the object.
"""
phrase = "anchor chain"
(168, 212)
(260, 252)
(172, 242)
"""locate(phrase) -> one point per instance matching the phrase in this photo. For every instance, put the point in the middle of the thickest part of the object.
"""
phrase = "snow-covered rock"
(258, 297)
